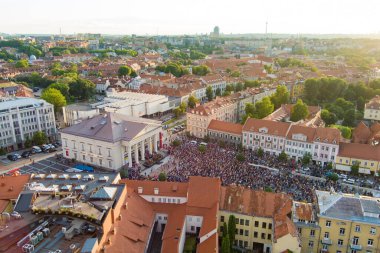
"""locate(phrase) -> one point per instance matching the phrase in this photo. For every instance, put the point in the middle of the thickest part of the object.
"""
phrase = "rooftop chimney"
(140, 190)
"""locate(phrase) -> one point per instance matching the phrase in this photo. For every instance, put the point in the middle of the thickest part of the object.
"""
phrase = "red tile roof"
(226, 127)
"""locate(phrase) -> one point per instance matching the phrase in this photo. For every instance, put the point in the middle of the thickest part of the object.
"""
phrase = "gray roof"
(112, 127)
(105, 193)
(348, 207)
(19, 102)
(23, 202)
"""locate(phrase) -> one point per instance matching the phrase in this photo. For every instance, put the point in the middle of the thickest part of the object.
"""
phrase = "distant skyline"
(170, 17)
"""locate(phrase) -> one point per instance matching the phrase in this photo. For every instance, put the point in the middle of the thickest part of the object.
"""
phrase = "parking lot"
(49, 165)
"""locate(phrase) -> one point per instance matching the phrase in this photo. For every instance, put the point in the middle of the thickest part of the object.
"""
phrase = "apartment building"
(304, 216)
(226, 131)
(21, 118)
(221, 108)
(372, 109)
(367, 156)
(264, 227)
(349, 223)
(216, 81)
(295, 140)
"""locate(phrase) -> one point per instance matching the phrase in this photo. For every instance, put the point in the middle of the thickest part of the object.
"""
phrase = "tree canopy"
(22, 64)
(264, 108)
(54, 97)
(201, 70)
(192, 101)
(281, 96)
(299, 111)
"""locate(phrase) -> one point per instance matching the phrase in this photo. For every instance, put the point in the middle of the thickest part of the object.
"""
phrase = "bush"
(162, 177)
(202, 148)
(2, 151)
(283, 156)
(176, 143)
(333, 176)
(240, 157)
(268, 189)
(260, 152)
(355, 169)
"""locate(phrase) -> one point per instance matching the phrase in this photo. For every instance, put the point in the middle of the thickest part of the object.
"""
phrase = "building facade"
(372, 109)
(112, 140)
(21, 118)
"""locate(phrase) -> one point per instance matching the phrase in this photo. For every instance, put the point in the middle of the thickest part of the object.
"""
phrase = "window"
(370, 242)
(247, 222)
(355, 241)
(241, 222)
(324, 247)
(221, 228)
(262, 235)
(327, 235)
(340, 242)
(264, 225)
(192, 228)
(256, 224)
(311, 244)
(246, 232)
(241, 231)
(328, 223)
(312, 232)
(372, 231)
(221, 218)
(255, 234)
(342, 231)
(357, 228)
(270, 226)
(269, 236)
(245, 244)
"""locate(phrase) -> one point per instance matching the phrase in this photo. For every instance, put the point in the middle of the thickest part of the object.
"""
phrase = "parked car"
(342, 176)
(349, 181)
(26, 154)
(57, 143)
(13, 157)
(36, 149)
(51, 150)
(45, 148)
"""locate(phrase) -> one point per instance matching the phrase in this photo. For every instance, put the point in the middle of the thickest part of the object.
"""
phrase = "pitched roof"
(11, 186)
(273, 127)
(111, 127)
(361, 133)
(359, 151)
(105, 193)
(327, 135)
(227, 127)
(309, 132)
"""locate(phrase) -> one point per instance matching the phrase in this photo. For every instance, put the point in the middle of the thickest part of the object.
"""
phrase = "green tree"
(28, 142)
(299, 111)
(239, 87)
(54, 97)
(209, 93)
(281, 96)
(355, 169)
(39, 138)
(349, 118)
(202, 148)
(306, 158)
(82, 89)
(192, 101)
(283, 157)
(62, 87)
(345, 131)
(333, 176)
(176, 143)
(162, 177)
(251, 84)
(226, 244)
(240, 157)
(124, 71)
(250, 109)
(328, 117)
(218, 92)
(260, 152)
(235, 73)
(225, 229)
(22, 64)
(231, 228)
(264, 108)
(201, 70)
(268, 189)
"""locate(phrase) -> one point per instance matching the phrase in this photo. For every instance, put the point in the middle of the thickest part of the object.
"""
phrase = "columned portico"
(142, 148)
(155, 142)
(150, 146)
(129, 156)
(136, 153)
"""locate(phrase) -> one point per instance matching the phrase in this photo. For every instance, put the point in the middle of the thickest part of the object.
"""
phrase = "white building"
(216, 81)
(75, 113)
(112, 140)
(295, 140)
(20, 118)
(372, 109)
(134, 104)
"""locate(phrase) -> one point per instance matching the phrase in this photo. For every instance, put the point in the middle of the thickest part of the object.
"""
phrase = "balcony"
(326, 241)
(356, 246)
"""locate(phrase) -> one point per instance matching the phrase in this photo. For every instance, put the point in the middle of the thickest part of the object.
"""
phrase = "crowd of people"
(221, 161)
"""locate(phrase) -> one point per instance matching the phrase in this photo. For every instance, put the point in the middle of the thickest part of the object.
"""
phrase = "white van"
(203, 143)
(349, 181)
(36, 149)
(193, 142)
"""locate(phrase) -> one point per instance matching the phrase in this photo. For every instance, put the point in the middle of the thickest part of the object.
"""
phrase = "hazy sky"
(189, 17)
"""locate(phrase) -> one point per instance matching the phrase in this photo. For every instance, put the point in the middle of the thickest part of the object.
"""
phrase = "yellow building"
(367, 156)
(305, 218)
(262, 219)
(349, 223)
